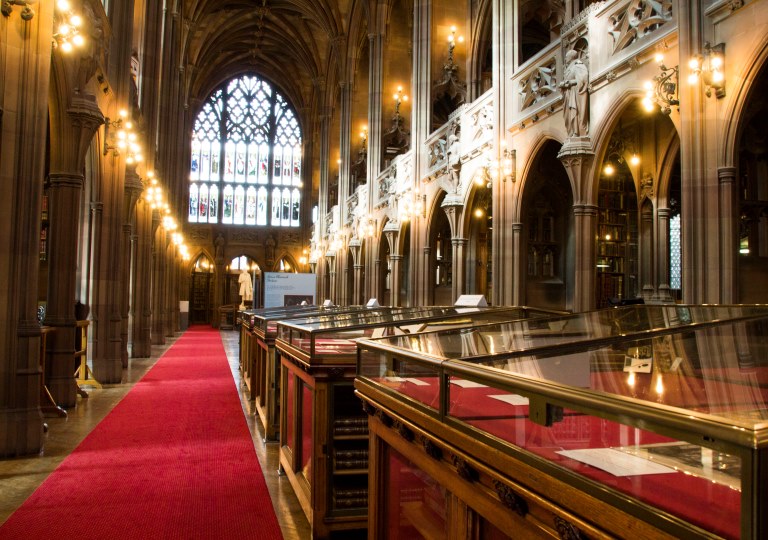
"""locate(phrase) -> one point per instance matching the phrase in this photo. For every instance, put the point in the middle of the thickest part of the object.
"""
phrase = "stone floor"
(21, 476)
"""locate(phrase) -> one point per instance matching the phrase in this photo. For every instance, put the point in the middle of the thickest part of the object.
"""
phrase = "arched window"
(246, 137)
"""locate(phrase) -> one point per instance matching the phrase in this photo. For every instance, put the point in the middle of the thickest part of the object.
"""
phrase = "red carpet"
(174, 459)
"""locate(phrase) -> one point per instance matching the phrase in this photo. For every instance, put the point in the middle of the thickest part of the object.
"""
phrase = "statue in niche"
(575, 89)
(270, 249)
(246, 287)
(219, 248)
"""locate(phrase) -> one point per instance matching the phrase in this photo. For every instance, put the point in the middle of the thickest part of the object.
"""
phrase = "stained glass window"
(675, 274)
(246, 142)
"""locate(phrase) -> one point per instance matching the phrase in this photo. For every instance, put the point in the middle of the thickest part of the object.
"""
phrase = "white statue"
(246, 287)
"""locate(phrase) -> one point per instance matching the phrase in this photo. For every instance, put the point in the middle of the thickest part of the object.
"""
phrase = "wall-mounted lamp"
(662, 90)
(399, 98)
(709, 68)
(67, 27)
(367, 228)
(452, 40)
(504, 166)
(26, 13)
(116, 140)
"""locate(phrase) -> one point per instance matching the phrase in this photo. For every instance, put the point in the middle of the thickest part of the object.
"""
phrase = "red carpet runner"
(174, 459)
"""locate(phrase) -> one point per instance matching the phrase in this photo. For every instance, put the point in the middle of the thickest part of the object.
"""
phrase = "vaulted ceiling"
(291, 43)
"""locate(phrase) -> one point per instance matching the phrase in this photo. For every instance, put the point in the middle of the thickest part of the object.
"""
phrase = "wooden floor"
(20, 477)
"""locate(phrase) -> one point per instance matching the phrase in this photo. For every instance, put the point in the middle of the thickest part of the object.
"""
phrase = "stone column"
(518, 283)
(158, 279)
(662, 255)
(133, 189)
(392, 234)
(373, 163)
(577, 158)
(454, 209)
(504, 37)
(25, 66)
(69, 145)
(729, 234)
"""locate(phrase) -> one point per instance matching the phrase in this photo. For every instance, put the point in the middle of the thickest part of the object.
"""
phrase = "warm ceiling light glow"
(635, 160)
(608, 169)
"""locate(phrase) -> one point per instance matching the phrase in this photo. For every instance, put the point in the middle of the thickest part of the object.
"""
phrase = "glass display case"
(639, 421)
(324, 432)
(260, 369)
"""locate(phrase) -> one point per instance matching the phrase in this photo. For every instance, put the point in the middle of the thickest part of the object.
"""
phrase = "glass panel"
(295, 205)
(239, 205)
(286, 214)
(240, 163)
(215, 149)
(205, 161)
(416, 506)
(253, 151)
(193, 194)
(261, 208)
(250, 206)
(228, 205)
(203, 214)
(229, 162)
(297, 166)
(675, 251)
(213, 204)
(263, 160)
(276, 206)
(194, 168)
(306, 431)
(278, 169)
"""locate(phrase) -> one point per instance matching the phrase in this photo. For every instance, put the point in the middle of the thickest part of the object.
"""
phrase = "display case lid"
(515, 336)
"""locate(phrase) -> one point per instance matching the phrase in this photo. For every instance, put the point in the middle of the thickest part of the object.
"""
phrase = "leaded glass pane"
(205, 160)
(276, 206)
(239, 205)
(193, 193)
(229, 202)
(213, 204)
(194, 167)
(232, 143)
(229, 162)
(675, 265)
(261, 208)
(203, 211)
(250, 206)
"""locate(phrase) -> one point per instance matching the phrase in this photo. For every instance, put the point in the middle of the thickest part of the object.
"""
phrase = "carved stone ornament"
(431, 448)
(638, 19)
(567, 530)
(465, 470)
(511, 499)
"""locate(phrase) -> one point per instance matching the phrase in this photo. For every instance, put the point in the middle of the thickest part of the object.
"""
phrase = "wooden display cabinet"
(646, 423)
(323, 429)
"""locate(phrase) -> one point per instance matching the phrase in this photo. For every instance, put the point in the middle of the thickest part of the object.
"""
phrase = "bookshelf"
(616, 265)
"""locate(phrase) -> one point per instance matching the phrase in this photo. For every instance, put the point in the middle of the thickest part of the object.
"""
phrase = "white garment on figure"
(246, 287)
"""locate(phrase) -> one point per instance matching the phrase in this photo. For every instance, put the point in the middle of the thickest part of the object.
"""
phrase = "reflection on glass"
(416, 505)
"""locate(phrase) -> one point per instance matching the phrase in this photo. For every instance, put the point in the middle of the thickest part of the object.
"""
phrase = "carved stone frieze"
(482, 122)
(243, 237)
(199, 234)
(637, 20)
(541, 82)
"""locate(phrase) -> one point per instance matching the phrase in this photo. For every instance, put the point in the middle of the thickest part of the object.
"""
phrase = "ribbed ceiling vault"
(288, 42)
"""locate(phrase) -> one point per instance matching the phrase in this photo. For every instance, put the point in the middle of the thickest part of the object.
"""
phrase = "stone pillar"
(585, 230)
(158, 279)
(69, 145)
(458, 245)
(577, 158)
(394, 279)
(647, 254)
(729, 234)
(330, 259)
(454, 209)
(133, 189)
(142, 293)
(662, 255)
(518, 283)
(504, 36)
(25, 50)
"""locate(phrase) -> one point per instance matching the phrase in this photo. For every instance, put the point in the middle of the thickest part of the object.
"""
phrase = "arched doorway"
(440, 273)
(233, 286)
(201, 294)
(384, 263)
(478, 260)
(547, 235)
(752, 261)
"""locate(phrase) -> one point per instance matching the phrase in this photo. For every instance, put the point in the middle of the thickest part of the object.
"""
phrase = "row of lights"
(155, 197)
(125, 140)
(67, 35)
